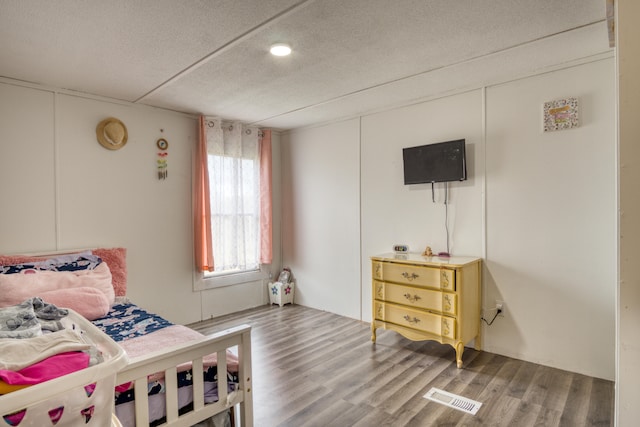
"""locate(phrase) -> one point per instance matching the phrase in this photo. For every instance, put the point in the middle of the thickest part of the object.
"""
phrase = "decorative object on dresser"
(428, 299)
(400, 249)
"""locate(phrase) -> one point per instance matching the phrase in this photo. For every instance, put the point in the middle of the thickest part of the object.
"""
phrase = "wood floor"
(313, 368)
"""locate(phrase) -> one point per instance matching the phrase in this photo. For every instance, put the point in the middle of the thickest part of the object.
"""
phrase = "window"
(234, 195)
(232, 204)
(233, 160)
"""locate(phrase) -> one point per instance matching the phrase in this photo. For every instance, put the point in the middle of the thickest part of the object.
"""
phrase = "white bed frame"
(39, 397)
(166, 360)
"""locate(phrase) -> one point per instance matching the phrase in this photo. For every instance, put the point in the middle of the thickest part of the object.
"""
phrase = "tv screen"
(441, 162)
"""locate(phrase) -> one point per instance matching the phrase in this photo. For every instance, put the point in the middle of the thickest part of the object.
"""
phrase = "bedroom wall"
(540, 208)
(396, 213)
(65, 191)
(551, 221)
(320, 216)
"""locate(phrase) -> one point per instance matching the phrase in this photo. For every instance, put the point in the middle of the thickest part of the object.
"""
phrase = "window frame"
(220, 280)
(203, 280)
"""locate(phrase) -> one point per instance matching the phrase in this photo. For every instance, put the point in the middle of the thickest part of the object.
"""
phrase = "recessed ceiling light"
(280, 49)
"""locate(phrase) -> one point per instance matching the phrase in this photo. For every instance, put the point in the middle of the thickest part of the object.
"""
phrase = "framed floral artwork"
(560, 114)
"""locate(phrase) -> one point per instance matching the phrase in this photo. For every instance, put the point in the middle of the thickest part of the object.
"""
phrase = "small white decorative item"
(560, 114)
(281, 293)
(285, 275)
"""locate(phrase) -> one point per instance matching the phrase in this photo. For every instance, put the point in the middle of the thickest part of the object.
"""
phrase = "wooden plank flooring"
(313, 368)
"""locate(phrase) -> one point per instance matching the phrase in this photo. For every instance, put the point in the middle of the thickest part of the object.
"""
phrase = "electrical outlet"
(500, 306)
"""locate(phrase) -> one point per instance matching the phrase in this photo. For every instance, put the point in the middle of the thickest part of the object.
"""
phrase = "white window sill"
(221, 280)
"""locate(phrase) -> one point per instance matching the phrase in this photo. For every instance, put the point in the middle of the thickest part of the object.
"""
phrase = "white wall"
(27, 166)
(395, 213)
(65, 191)
(321, 216)
(543, 212)
(551, 221)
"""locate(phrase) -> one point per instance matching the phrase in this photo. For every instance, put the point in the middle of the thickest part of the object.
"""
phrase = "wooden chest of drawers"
(428, 298)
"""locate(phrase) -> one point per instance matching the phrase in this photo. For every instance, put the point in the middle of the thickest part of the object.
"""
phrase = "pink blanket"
(169, 337)
(89, 292)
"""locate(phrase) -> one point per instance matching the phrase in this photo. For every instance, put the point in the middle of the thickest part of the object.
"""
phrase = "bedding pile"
(37, 345)
(39, 340)
(81, 282)
(30, 318)
(30, 355)
(40, 344)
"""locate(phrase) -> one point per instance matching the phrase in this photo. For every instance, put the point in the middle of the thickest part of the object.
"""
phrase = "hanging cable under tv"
(432, 163)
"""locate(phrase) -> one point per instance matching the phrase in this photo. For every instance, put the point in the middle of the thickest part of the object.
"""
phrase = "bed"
(157, 384)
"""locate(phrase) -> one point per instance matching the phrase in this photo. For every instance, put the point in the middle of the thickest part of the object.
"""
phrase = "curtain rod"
(212, 123)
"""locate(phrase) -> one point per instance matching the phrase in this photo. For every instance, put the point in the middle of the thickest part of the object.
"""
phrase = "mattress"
(140, 332)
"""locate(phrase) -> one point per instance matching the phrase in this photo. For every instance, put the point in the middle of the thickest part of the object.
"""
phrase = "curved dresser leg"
(459, 350)
(373, 333)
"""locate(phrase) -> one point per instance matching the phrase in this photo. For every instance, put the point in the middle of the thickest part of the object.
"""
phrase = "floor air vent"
(453, 401)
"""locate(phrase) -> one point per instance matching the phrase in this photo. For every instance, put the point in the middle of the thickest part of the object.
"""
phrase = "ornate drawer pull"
(412, 298)
(410, 320)
(410, 277)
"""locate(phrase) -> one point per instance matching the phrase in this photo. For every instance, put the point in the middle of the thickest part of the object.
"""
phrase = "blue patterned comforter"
(126, 321)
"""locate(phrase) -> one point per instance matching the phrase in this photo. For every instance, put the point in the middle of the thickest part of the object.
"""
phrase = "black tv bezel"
(463, 168)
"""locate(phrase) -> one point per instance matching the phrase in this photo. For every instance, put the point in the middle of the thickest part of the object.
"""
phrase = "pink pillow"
(116, 259)
(21, 286)
(90, 303)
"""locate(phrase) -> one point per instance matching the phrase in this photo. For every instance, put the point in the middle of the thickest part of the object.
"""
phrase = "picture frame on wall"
(560, 114)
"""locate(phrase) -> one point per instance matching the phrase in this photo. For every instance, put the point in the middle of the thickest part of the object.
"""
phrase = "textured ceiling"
(349, 56)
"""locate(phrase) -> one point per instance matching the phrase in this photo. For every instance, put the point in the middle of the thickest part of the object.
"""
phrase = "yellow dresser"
(428, 298)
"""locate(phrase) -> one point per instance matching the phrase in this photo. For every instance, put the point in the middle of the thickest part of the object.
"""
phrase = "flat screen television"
(440, 162)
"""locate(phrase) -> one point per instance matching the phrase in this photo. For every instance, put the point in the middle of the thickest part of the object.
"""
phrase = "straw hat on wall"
(112, 133)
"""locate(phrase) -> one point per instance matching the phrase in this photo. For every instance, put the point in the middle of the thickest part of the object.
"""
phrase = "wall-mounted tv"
(440, 162)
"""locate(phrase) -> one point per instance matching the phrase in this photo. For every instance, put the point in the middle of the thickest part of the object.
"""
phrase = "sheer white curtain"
(234, 182)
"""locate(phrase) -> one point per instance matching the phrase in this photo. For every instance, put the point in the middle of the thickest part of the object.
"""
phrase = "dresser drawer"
(416, 297)
(416, 319)
(429, 277)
